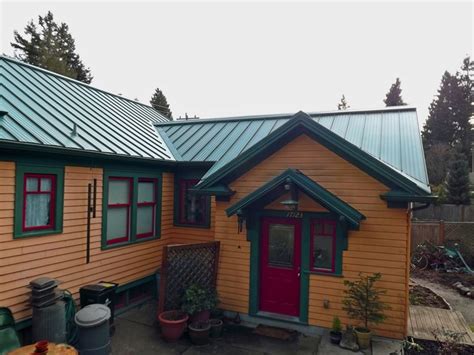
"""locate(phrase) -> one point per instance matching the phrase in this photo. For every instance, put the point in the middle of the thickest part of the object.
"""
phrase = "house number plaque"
(294, 214)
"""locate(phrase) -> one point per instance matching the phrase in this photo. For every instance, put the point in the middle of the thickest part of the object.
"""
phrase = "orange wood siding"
(380, 245)
(62, 256)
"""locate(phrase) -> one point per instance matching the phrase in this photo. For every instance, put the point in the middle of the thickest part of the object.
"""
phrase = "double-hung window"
(193, 210)
(38, 201)
(131, 204)
(323, 245)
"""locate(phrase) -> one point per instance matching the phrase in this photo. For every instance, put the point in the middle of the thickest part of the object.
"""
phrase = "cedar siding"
(379, 246)
(63, 256)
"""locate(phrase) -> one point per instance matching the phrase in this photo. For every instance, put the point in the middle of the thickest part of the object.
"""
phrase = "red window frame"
(52, 204)
(121, 205)
(184, 185)
(324, 223)
(144, 204)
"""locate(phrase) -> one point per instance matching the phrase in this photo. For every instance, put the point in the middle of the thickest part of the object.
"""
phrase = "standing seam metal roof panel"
(48, 106)
(390, 135)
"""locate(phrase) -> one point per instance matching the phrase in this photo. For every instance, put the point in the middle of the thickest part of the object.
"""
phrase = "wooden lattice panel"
(183, 266)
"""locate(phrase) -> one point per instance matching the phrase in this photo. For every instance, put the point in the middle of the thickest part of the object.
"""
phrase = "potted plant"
(199, 332)
(173, 324)
(336, 332)
(362, 302)
(198, 302)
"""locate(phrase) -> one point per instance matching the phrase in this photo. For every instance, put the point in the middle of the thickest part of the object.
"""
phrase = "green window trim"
(253, 235)
(20, 171)
(134, 175)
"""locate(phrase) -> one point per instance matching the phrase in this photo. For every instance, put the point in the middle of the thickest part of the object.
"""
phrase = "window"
(131, 209)
(193, 210)
(281, 242)
(323, 245)
(118, 210)
(38, 201)
(146, 207)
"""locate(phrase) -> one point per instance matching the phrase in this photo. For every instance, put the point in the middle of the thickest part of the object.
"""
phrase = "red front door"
(280, 257)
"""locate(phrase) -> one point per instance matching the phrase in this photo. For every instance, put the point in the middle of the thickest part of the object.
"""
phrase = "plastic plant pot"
(199, 333)
(217, 326)
(335, 337)
(173, 324)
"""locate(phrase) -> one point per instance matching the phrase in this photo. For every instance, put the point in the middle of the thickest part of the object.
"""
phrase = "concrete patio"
(137, 333)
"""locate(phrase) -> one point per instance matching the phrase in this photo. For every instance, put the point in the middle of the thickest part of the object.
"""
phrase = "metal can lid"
(92, 315)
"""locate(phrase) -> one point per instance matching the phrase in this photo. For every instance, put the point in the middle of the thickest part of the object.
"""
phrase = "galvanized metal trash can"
(94, 335)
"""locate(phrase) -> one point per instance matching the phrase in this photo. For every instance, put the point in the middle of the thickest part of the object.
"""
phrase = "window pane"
(146, 191)
(37, 210)
(45, 184)
(119, 191)
(31, 184)
(281, 245)
(145, 219)
(117, 222)
(322, 252)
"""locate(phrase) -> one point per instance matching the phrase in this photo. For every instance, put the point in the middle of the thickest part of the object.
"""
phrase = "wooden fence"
(448, 213)
(445, 233)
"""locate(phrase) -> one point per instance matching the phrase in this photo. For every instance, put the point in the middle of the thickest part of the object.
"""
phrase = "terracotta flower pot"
(173, 324)
(202, 316)
(363, 337)
(199, 332)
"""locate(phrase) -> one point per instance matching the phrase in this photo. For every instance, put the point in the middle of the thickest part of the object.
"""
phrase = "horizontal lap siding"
(62, 256)
(379, 246)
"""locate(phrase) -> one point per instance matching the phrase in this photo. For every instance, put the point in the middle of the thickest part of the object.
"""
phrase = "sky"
(228, 59)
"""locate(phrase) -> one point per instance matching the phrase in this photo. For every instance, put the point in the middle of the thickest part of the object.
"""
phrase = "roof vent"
(74, 130)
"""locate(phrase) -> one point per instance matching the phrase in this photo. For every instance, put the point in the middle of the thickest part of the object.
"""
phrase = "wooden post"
(441, 235)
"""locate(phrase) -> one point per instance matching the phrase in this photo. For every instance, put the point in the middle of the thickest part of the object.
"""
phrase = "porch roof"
(275, 188)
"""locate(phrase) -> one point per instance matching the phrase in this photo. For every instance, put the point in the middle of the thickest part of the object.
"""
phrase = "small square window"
(193, 210)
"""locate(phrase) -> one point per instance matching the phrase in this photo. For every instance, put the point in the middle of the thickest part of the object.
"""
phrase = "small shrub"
(197, 298)
(336, 325)
(362, 301)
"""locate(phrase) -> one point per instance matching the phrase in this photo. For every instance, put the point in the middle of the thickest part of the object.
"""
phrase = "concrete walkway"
(137, 333)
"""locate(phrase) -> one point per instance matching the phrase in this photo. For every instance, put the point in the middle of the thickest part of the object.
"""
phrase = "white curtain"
(37, 210)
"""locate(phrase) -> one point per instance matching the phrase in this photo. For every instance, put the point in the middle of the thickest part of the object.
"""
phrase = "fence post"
(441, 235)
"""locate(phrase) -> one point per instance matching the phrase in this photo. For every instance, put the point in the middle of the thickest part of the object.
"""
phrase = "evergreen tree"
(343, 105)
(458, 180)
(394, 95)
(159, 103)
(49, 45)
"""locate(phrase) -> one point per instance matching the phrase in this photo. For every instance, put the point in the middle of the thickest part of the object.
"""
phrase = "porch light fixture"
(292, 203)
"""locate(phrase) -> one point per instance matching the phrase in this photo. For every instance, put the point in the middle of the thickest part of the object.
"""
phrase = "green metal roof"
(391, 135)
(41, 108)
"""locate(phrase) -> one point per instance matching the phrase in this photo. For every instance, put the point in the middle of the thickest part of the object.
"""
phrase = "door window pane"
(119, 191)
(145, 220)
(322, 252)
(281, 245)
(146, 191)
(117, 223)
(37, 210)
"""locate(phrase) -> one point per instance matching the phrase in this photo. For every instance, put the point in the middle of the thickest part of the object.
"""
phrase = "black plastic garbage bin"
(101, 293)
